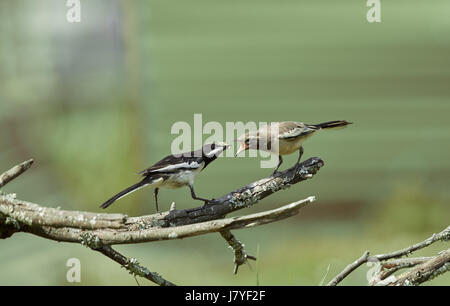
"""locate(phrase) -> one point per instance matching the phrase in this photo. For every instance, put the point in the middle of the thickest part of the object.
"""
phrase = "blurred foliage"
(408, 209)
(93, 103)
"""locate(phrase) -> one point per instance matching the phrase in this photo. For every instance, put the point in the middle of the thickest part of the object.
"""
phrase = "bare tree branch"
(133, 266)
(387, 268)
(424, 272)
(349, 269)
(442, 236)
(240, 256)
(244, 197)
(99, 231)
(126, 230)
(66, 226)
(428, 266)
(14, 172)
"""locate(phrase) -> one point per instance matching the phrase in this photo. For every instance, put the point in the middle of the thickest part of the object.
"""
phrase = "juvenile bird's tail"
(125, 192)
(332, 124)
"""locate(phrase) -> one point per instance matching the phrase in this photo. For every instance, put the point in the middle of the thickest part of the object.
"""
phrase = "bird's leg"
(280, 161)
(195, 197)
(300, 153)
(156, 198)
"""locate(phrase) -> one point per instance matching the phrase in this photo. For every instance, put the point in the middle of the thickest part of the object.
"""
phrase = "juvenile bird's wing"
(171, 163)
(290, 130)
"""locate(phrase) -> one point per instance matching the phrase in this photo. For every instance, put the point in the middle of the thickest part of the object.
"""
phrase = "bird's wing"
(171, 163)
(289, 129)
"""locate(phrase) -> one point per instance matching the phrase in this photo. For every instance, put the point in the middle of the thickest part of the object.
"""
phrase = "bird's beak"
(224, 145)
(242, 148)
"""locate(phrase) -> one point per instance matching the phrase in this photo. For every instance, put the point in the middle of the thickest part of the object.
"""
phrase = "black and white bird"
(174, 171)
(283, 138)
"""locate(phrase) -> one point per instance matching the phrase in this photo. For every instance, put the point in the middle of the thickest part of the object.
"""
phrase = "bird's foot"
(275, 172)
(207, 202)
(297, 166)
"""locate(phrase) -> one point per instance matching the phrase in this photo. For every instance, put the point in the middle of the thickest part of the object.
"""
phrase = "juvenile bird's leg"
(300, 153)
(156, 198)
(195, 197)
(280, 161)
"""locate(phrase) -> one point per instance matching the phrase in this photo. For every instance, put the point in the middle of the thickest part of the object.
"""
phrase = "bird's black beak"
(224, 145)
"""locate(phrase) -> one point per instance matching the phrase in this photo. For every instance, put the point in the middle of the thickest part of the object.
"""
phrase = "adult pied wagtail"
(288, 135)
(174, 171)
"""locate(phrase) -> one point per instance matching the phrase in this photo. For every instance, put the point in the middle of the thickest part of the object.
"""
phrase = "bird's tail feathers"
(126, 192)
(332, 124)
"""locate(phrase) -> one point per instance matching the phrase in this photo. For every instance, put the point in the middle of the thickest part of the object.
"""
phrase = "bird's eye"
(247, 141)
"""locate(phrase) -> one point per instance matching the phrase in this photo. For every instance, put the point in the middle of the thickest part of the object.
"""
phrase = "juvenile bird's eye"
(247, 141)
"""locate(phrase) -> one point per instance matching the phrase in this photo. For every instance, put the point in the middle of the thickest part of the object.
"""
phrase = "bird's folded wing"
(289, 130)
(172, 164)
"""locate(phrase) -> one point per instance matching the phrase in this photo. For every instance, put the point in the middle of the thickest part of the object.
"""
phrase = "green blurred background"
(93, 103)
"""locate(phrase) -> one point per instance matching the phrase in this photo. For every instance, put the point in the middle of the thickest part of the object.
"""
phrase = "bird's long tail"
(127, 191)
(332, 124)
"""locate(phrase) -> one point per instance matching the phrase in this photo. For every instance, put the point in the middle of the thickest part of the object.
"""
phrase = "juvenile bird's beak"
(242, 148)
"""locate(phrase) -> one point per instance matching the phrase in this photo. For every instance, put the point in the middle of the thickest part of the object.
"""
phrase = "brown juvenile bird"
(283, 138)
